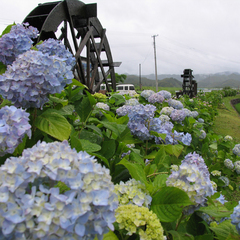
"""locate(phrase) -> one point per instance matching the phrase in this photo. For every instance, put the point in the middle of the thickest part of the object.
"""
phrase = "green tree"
(120, 78)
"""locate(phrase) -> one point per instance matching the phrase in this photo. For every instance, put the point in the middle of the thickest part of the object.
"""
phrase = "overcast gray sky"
(203, 35)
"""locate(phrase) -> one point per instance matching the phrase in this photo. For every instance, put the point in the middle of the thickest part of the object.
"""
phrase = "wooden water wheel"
(77, 26)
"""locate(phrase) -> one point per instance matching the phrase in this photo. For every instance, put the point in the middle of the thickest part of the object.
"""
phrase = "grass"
(228, 120)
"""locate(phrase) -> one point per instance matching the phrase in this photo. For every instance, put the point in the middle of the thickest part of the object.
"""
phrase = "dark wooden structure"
(189, 86)
(77, 26)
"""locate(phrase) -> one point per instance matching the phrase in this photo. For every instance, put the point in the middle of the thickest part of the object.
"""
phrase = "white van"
(126, 89)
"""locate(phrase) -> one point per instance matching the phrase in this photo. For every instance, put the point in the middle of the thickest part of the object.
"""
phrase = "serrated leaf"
(108, 148)
(54, 124)
(108, 236)
(167, 206)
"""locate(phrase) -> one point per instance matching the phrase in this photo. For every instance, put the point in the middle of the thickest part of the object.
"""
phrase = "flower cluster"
(99, 96)
(32, 206)
(178, 115)
(193, 178)
(175, 104)
(228, 138)
(202, 134)
(228, 164)
(200, 120)
(235, 217)
(55, 47)
(237, 167)
(216, 173)
(167, 95)
(140, 120)
(16, 42)
(32, 76)
(236, 150)
(225, 180)
(146, 93)
(156, 98)
(167, 110)
(139, 220)
(13, 127)
(132, 192)
(103, 106)
(194, 114)
(132, 102)
(124, 110)
(164, 118)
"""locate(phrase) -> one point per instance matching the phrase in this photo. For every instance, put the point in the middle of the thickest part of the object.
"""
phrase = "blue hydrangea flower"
(124, 110)
(103, 106)
(178, 115)
(228, 164)
(221, 199)
(167, 95)
(16, 42)
(147, 93)
(55, 47)
(132, 102)
(193, 178)
(175, 104)
(235, 217)
(237, 167)
(202, 134)
(32, 76)
(156, 98)
(236, 150)
(34, 207)
(14, 124)
(225, 180)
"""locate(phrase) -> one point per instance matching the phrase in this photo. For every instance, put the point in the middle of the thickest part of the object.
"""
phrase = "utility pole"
(155, 59)
(140, 80)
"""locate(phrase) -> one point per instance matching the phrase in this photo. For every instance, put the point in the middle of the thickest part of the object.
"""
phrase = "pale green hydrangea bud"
(139, 220)
(132, 192)
(174, 167)
(214, 185)
(216, 173)
(228, 138)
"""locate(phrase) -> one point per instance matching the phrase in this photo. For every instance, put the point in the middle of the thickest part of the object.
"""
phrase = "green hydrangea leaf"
(167, 206)
(224, 230)
(54, 124)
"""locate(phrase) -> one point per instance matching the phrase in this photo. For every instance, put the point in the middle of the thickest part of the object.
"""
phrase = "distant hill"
(166, 82)
(217, 80)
